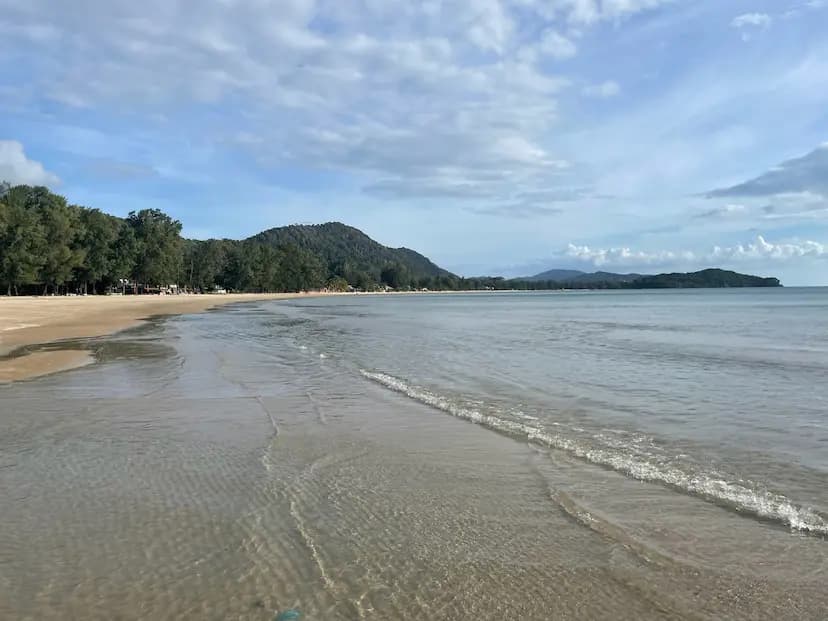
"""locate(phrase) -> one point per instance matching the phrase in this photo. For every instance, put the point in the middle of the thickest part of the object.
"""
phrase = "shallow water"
(635, 455)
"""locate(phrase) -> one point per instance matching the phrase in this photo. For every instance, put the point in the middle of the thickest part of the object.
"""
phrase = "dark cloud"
(722, 211)
(808, 173)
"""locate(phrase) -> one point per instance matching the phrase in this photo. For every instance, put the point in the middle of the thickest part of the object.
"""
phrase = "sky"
(500, 137)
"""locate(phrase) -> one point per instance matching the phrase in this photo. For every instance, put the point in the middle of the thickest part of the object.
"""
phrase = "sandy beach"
(361, 458)
(28, 321)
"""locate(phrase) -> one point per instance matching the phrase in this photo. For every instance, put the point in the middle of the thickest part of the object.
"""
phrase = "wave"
(741, 496)
(603, 526)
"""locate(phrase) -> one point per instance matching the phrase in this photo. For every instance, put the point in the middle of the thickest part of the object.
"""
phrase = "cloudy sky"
(495, 136)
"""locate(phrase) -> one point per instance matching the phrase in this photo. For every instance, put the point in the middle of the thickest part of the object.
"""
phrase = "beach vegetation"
(48, 245)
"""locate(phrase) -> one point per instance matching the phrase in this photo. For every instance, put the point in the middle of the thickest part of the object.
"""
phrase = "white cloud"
(491, 25)
(761, 249)
(557, 46)
(623, 257)
(16, 168)
(756, 251)
(603, 90)
(761, 20)
(748, 22)
(591, 11)
(434, 96)
(803, 8)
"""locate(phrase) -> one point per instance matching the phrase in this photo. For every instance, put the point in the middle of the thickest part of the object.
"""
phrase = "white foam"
(19, 326)
(759, 502)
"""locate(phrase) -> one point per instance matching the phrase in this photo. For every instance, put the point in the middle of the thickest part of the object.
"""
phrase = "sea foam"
(740, 496)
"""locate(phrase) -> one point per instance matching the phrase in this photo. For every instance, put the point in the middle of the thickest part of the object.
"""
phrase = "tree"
(396, 275)
(21, 240)
(204, 263)
(338, 284)
(299, 270)
(99, 232)
(266, 262)
(159, 247)
(60, 228)
(123, 253)
(237, 273)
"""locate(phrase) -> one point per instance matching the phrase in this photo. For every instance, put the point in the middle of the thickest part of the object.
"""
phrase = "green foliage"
(97, 236)
(237, 272)
(703, 279)
(337, 284)
(61, 253)
(396, 276)
(159, 247)
(349, 253)
(299, 269)
(123, 253)
(204, 263)
(47, 243)
(21, 240)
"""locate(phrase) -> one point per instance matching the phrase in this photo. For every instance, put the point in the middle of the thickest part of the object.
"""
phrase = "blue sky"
(495, 136)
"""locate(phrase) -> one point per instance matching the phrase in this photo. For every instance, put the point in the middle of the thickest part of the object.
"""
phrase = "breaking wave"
(624, 456)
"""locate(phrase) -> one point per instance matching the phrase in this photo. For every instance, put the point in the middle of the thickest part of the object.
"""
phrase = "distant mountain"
(608, 277)
(712, 278)
(704, 278)
(579, 277)
(556, 275)
(349, 252)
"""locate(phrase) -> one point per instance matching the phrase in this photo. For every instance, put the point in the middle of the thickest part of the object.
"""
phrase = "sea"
(485, 455)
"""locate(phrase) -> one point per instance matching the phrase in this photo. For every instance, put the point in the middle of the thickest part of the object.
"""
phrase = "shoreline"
(28, 321)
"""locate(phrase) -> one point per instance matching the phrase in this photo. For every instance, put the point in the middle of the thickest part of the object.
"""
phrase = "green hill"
(708, 278)
(49, 245)
(351, 254)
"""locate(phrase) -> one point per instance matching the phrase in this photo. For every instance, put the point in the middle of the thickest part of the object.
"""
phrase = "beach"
(28, 321)
(618, 455)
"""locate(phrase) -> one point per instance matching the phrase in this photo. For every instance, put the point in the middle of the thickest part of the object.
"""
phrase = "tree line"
(48, 245)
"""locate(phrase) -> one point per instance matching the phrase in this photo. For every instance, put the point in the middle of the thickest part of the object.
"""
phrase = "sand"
(26, 321)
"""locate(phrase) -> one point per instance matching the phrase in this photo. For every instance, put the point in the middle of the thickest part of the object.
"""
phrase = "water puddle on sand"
(41, 363)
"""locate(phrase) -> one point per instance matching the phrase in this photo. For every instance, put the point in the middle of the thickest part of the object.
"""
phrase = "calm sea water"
(720, 393)
(618, 455)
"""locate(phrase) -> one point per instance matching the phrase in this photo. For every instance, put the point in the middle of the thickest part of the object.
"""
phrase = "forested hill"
(48, 245)
(708, 278)
(350, 253)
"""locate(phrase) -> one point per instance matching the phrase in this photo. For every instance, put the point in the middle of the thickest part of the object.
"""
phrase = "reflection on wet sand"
(208, 468)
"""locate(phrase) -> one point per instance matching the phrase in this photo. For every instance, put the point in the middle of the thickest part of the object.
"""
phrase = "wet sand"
(42, 363)
(222, 466)
(27, 321)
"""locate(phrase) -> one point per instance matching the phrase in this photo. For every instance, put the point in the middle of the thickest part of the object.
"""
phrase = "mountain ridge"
(709, 277)
(579, 276)
(348, 252)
